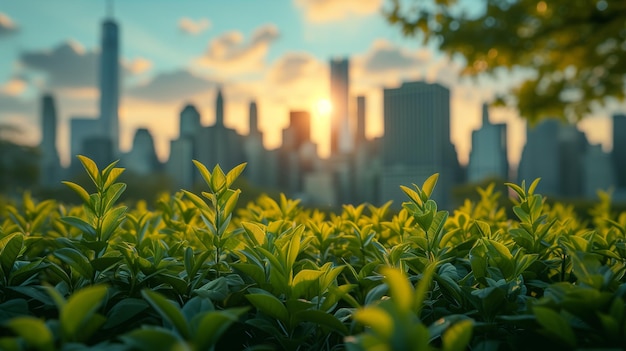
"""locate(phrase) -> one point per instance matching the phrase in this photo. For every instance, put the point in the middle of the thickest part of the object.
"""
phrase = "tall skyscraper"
(109, 83)
(254, 151)
(619, 149)
(50, 164)
(253, 118)
(219, 108)
(417, 143)
(488, 157)
(340, 135)
(540, 157)
(360, 120)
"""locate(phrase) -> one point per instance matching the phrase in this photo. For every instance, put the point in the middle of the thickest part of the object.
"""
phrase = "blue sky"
(177, 52)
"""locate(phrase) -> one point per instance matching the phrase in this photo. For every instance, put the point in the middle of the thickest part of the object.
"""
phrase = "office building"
(50, 165)
(488, 157)
(109, 83)
(619, 149)
(341, 139)
(417, 143)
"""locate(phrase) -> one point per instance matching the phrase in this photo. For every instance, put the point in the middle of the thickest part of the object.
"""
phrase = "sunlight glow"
(324, 107)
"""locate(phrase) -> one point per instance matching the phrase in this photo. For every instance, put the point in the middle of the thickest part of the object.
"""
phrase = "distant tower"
(254, 119)
(109, 82)
(254, 151)
(189, 121)
(540, 157)
(360, 120)
(142, 158)
(619, 150)
(340, 136)
(50, 165)
(219, 108)
(488, 157)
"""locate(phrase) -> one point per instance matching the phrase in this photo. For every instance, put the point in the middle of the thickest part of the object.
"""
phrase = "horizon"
(281, 62)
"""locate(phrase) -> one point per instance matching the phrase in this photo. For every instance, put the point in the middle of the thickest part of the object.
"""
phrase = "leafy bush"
(196, 273)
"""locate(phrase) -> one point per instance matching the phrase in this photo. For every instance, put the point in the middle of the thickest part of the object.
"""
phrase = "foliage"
(196, 273)
(573, 50)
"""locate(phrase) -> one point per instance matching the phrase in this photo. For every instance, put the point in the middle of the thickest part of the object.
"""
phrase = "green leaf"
(153, 339)
(82, 193)
(112, 176)
(92, 169)
(81, 225)
(376, 318)
(112, 221)
(423, 286)
(10, 249)
(234, 174)
(167, 311)
(412, 194)
(458, 336)
(79, 310)
(533, 185)
(429, 185)
(112, 194)
(76, 260)
(555, 324)
(218, 180)
(255, 232)
(323, 319)
(399, 288)
(213, 325)
(204, 172)
(124, 311)
(33, 331)
(303, 280)
(269, 305)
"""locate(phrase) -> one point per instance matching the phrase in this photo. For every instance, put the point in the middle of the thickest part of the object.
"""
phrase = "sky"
(275, 52)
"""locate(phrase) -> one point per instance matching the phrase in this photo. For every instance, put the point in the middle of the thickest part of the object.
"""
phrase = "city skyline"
(293, 77)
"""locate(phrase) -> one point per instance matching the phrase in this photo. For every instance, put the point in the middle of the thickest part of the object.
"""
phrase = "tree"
(573, 51)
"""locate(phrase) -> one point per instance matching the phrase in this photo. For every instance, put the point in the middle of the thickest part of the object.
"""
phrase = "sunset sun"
(324, 107)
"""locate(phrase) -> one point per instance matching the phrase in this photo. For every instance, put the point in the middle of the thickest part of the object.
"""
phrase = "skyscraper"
(142, 158)
(619, 149)
(417, 143)
(109, 83)
(219, 108)
(540, 157)
(189, 121)
(360, 120)
(488, 157)
(50, 164)
(340, 135)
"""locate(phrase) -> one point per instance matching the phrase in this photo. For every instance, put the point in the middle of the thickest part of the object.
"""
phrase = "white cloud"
(138, 66)
(334, 10)
(171, 87)
(68, 65)
(189, 26)
(7, 25)
(232, 53)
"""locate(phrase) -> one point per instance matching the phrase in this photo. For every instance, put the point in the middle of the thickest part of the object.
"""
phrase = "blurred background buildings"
(416, 143)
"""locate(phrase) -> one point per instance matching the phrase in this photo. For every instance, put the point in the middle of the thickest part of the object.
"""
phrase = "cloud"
(230, 52)
(334, 10)
(384, 57)
(138, 66)
(7, 26)
(14, 87)
(68, 65)
(294, 67)
(189, 26)
(13, 104)
(171, 87)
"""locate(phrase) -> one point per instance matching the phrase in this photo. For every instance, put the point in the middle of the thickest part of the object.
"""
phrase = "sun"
(324, 107)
